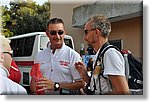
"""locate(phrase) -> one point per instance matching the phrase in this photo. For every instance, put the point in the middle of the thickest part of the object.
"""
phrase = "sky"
(6, 2)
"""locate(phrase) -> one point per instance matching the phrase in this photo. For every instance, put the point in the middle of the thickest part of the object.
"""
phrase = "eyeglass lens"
(86, 31)
(53, 32)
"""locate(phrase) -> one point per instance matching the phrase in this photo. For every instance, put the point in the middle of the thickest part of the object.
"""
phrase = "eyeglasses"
(86, 31)
(59, 32)
(9, 52)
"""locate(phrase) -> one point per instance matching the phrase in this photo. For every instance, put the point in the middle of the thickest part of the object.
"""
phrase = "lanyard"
(98, 67)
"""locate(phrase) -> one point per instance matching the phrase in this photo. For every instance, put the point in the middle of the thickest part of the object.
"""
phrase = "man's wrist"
(87, 79)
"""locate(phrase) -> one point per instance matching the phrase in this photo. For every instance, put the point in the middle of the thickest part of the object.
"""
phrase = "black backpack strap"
(127, 70)
(107, 47)
(101, 55)
(102, 51)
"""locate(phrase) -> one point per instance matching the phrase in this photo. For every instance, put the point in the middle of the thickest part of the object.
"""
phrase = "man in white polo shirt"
(57, 62)
(7, 86)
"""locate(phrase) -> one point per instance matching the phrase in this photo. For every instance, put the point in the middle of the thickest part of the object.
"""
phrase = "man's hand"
(82, 71)
(45, 84)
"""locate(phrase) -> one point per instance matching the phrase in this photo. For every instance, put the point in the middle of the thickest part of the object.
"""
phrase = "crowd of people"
(63, 71)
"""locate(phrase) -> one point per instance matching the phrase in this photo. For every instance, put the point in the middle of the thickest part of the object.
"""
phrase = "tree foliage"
(24, 17)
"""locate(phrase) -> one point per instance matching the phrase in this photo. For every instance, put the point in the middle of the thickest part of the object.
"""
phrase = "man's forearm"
(73, 86)
(86, 78)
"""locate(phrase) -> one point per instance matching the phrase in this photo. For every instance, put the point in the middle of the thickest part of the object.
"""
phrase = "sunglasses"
(86, 31)
(59, 32)
(9, 52)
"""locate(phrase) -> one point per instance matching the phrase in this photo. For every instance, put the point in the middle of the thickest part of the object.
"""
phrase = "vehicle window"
(68, 42)
(44, 40)
(22, 46)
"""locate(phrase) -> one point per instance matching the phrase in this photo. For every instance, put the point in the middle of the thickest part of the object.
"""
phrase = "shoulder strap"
(104, 48)
(102, 51)
(124, 56)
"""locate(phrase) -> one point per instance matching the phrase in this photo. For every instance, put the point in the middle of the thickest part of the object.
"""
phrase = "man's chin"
(89, 44)
(58, 44)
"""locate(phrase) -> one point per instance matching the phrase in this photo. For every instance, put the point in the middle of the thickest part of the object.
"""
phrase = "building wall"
(129, 30)
(65, 12)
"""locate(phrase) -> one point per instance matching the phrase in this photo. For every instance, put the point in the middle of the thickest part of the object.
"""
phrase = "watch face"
(57, 85)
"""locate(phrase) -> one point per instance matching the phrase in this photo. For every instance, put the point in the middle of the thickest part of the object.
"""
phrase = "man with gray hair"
(108, 75)
(7, 86)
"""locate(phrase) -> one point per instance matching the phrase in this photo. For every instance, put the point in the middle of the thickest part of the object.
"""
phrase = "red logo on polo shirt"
(64, 63)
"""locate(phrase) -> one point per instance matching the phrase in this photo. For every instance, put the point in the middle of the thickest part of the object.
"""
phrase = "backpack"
(133, 68)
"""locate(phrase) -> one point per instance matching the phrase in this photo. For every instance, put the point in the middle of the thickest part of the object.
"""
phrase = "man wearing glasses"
(57, 63)
(108, 75)
(7, 86)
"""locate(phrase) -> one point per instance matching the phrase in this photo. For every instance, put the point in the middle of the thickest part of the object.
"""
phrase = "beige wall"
(129, 30)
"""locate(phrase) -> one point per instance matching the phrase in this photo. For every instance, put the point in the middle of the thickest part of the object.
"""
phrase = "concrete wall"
(114, 11)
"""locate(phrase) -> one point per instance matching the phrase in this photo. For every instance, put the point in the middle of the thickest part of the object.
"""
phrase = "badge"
(99, 62)
(97, 70)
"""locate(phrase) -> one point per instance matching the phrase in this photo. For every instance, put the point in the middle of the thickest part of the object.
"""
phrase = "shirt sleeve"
(114, 63)
(75, 58)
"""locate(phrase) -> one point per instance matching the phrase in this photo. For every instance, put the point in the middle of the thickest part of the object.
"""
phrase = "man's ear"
(97, 32)
(47, 33)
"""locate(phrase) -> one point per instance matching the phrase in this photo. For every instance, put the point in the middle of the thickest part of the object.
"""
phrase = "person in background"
(90, 51)
(7, 86)
(111, 79)
(15, 74)
(57, 63)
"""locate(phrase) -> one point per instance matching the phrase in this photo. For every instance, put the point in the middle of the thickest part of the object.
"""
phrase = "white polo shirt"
(59, 67)
(7, 86)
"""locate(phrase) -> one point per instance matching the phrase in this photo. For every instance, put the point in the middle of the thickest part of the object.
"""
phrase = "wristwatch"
(56, 86)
